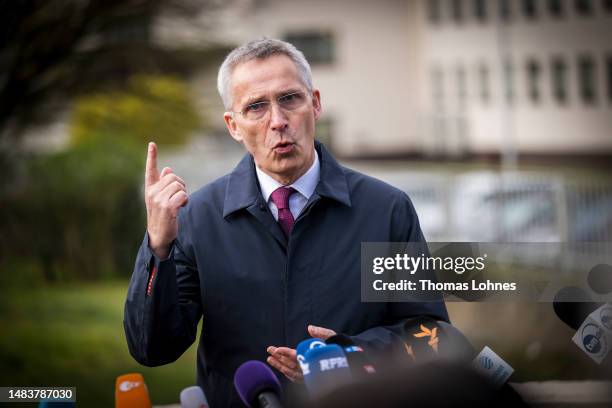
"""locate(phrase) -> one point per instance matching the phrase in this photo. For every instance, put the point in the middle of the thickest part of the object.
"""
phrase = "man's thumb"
(320, 332)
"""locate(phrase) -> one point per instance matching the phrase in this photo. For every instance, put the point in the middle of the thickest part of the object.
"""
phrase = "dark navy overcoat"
(232, 266)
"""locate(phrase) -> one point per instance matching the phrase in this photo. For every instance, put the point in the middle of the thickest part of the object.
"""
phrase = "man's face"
(282, 141)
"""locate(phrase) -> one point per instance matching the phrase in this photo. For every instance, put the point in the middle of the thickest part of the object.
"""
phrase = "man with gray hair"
(269, 254)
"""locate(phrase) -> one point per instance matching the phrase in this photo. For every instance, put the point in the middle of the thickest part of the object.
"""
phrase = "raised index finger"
(151, 173)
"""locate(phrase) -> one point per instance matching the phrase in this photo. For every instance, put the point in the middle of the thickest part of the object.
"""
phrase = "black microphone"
(591, 320)
(427, 339)
(430, 341)
(257, 385)
(433, 384)
(359, 361)
(600, 279)
(572, 305)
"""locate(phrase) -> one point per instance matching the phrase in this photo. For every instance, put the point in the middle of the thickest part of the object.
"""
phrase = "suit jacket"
(254, 288)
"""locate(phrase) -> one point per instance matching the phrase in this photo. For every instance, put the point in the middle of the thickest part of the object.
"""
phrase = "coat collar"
(243, 189)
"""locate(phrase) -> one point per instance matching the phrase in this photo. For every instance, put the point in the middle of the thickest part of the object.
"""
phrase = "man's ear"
(232, 126)
(316, 103)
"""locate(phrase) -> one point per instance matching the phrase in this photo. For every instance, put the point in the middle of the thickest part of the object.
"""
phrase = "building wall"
(519, 124)
(392, 86)
(368, 91)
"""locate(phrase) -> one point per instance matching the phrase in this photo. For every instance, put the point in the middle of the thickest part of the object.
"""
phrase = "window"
(509, 80)
(318, 47)
(433, 11)
(437, 84)
(461, 84)
(583, 7)
(609, 75)
(555, 7)
(324, 131)
(483, 75)
(480, 10)
(530, 8)
(558, 69)
(457, 10)
(586, 79)
(504, 10)
(533, 80)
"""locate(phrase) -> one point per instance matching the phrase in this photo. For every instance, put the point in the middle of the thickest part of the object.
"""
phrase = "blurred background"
(494, 116)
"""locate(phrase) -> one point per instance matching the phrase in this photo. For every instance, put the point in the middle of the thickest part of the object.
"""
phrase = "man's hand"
(165, 193)
(284, 359)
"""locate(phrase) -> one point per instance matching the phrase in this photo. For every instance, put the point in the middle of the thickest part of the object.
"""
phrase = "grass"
(73, 336)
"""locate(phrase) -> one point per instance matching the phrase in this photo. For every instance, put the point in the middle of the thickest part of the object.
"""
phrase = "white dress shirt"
(304, 187)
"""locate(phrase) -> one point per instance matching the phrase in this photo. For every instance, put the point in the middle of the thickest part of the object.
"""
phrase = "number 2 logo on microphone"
(593, 340)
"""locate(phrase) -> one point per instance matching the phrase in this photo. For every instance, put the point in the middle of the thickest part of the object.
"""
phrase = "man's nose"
(278, 118)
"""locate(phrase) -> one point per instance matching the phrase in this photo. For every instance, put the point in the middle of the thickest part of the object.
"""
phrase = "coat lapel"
(243, 191)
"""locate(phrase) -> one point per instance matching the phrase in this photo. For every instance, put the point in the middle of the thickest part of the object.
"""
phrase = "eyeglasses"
(288, 102)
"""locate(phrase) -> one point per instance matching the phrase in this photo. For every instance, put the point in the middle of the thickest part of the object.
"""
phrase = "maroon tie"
(280, 197)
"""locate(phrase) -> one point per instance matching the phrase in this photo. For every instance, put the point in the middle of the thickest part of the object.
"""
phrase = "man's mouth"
(283, 147)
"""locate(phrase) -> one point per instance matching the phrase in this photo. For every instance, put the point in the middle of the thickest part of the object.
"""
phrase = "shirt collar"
(243, 191)
(305, 185)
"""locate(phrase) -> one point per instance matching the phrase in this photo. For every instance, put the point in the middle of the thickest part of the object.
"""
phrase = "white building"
(446, 77)
(533, 77)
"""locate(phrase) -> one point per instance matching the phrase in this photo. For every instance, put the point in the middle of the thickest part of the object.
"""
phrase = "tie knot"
(280, 197)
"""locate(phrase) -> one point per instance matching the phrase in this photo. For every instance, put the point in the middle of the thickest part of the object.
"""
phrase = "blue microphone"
(56, 404)
(325, 368)
(304, 346)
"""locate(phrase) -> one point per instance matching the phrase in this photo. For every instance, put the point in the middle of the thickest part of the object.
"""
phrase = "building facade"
(450, 78)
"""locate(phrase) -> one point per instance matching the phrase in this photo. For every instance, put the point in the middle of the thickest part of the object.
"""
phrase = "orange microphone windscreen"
(131, 391)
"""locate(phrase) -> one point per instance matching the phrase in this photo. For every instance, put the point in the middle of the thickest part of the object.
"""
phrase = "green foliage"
(72, 335)
(77, 214)
(150, 108)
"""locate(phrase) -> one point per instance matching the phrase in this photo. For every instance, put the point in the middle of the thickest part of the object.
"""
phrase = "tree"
(52, 50)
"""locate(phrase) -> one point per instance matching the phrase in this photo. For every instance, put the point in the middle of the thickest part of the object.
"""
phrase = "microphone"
(257, 385)
(303, 347)
(591, 320)
(327, 369)
(131, 392)
(56, 404)
(357, 358)
(433, 384)
(492, 367)
(308, 344)
(572, 305)
(426, 339)
(429, 340)
(600, 279)
(193, 397)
